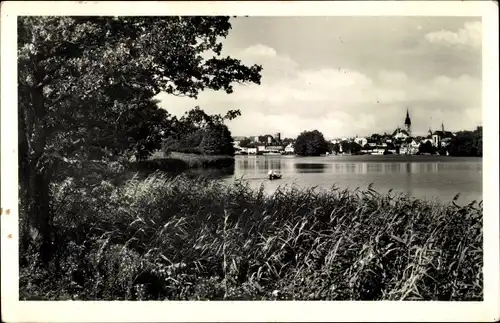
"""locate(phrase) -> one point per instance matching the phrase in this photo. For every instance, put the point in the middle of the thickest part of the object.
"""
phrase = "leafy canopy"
(310, 143)
(201, 133)
(467, 143)
(80, 77)
(86, 84)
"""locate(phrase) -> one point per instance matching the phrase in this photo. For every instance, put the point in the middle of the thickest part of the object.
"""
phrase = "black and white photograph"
(271, 157)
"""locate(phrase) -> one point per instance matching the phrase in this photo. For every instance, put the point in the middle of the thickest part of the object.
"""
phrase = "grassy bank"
(162, 238)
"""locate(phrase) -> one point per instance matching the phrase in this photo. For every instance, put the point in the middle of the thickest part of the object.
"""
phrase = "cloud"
(337, 101)
(392, 77)
(470, 35)
(259, 51)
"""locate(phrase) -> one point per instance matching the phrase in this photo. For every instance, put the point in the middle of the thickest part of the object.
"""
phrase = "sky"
(348, 76)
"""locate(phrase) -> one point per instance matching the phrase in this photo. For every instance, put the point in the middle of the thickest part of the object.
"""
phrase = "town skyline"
(368, 134)
(351, 75)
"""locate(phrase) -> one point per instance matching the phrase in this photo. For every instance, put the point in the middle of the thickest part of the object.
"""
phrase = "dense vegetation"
(426, 148)
(199, 133)
(349, 147)
(463, 144)
(86, 92)
(182, 239)
(310, 143)
(467, 143)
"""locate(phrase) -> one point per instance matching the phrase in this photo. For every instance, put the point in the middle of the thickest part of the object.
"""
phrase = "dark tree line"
(467, 143)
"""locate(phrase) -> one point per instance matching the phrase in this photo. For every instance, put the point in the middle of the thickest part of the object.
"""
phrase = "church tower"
(408, 123)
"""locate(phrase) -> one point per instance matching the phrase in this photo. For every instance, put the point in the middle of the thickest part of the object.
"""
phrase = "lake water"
(426, 177)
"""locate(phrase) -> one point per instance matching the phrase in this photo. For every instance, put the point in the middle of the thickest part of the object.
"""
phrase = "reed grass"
(164, 238)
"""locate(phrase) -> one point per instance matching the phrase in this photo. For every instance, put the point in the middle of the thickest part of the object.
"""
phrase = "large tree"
(201, 133)
(245, 142)
(144, 129)
(351, 147)
(78, 77)
(217, 140)
(467, 143)
(426, 148)
(285, 142)
(310, 143)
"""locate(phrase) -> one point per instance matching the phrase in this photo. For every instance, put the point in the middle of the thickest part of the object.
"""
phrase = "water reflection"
(251, 163)
(307, 168)
(408, 183)
(212, 172)
(385, 168)
(423, 177)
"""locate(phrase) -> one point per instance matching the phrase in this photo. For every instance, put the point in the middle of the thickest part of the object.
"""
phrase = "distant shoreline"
(374, 158)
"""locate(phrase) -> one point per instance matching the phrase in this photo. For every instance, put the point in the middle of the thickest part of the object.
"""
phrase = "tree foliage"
(144, 129)
(376, 137)
(426, 148)
(351, 147)
(286, 141)
(245, 142)
(217, 140)
(200, 133)
(82, 79)
(467, 143)
(310, 143)
(336, 148)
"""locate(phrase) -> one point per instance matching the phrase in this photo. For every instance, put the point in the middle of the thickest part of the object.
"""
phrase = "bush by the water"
(181, 239)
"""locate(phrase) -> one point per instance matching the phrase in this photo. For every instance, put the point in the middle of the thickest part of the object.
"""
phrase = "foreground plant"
(177, 238)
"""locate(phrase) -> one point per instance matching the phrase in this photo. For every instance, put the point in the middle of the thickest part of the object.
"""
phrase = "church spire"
(408, 123)
(442, 126)
(407, 120)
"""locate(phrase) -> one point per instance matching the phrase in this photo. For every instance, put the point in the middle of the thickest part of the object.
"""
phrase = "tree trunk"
(38, 210)
(23, 173)
(35, 177)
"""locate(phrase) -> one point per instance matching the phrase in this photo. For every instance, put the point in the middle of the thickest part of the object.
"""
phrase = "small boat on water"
(273, 175)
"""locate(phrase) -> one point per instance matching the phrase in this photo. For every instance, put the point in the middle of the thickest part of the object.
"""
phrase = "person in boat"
(270, 174)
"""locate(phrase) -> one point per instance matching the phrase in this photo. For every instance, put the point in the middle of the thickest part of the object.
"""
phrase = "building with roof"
(400, 134)
(362, 141)
(441, 137)
(403, 134)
